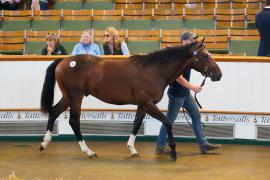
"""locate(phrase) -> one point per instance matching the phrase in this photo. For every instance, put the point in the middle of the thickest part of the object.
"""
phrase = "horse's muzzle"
(214, 76)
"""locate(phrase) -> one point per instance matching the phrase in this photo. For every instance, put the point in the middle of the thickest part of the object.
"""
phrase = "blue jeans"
(189, 103)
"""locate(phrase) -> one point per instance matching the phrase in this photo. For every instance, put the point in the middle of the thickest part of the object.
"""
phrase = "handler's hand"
(196, 88)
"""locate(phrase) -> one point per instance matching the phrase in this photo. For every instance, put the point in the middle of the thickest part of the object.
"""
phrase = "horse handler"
(179, 96)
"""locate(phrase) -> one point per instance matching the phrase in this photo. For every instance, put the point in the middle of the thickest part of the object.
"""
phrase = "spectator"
(40, 4)
(263, 25)
(113, 44)
(179, 95)
(53, 46)
(86, 46)
(9, 4)
(43, 4)
(35, 5)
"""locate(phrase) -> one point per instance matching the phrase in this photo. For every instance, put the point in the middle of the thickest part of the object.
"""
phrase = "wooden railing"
(257, 59)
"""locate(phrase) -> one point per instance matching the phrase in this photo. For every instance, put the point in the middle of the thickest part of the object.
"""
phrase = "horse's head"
(204, 63)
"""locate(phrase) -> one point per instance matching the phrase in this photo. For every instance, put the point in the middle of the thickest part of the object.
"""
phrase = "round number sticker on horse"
(72, 64)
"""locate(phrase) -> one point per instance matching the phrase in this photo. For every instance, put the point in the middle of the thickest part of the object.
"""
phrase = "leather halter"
(196, 54)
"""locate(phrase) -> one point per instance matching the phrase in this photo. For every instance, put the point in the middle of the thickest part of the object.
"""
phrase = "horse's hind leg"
(56, 110)
(153, 110)
(74, 121)
(140, 114)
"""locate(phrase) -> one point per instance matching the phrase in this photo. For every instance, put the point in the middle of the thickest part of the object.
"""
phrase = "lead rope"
(195, 95)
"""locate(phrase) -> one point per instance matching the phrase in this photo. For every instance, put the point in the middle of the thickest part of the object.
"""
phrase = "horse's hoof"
(135, 155)
(93, 156)
(173, 156)
(41, 148)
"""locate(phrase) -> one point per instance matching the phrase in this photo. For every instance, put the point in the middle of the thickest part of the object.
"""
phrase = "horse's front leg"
(140, 114)
(153, 110)
(74, 121)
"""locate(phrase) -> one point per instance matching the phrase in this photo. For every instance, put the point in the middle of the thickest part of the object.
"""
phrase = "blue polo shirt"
(175, 89)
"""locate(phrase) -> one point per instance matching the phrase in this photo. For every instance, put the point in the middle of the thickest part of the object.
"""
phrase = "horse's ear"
(202, 41)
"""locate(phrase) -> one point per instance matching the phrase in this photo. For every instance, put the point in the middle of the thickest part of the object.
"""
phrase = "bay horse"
(139, 80)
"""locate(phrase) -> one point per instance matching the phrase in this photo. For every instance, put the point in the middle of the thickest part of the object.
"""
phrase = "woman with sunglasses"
(113, 44)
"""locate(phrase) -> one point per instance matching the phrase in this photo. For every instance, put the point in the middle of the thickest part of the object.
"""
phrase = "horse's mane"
(164, 55)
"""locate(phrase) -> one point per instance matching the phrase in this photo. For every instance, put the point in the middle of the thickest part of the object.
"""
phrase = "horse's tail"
(47, 94)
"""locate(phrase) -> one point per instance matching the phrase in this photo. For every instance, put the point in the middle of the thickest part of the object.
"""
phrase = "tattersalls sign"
(6, 116)
(245, 125)
(86, 115)
(130, 116)
(22, 115)
(230, 118)
(263, 120)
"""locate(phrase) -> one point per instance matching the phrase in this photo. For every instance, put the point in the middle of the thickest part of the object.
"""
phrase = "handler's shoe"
(209, 147)
(163, 150)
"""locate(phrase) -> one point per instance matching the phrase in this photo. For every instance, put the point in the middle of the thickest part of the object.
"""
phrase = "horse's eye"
(206, 55)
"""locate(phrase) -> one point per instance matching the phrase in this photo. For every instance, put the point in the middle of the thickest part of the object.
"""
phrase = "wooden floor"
(64, 160)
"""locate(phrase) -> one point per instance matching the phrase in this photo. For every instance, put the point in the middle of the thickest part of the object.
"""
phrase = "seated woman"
(113, 44)
(53, 46)
(86, 46)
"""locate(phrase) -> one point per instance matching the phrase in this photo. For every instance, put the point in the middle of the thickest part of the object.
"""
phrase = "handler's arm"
(188, 85)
